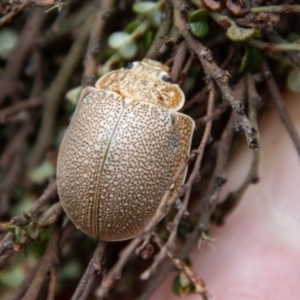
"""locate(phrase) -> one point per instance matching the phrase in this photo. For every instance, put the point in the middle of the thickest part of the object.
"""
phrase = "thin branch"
(52, 284)
(274, 47)
(14, 11)
(276, 38)
(49, 260)
(167, 267)
(179, 60)
(221, 77)
(12, 165)
(40, 3)
(218, 178)
(7, 245)
(233, 199)
(104, 10)
(285, 8)
(23, 287)
(198, 98)
(282, 109)
(162, 32)
(93, 270)
(18, 107)
(253, 97)
(191, 275)
(55, 92)
(173, 227)
(20, 53)
(185, 69)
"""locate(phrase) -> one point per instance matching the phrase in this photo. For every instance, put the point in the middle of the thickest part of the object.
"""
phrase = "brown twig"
(14, 11)
(52, 284)
(170, 244)
(20, 53)
(104, 10)
(198, 98)
(12, 165)
(185, 70)
(8, 183)
(63, 26)
(162, 32)
(40, 3)
(215, 116)
(23, 287)
(167, 267)
(48, 261)
(49, 193)
(218, 178)
(232, 200)
(55, 92)
(271, 47)
(197, 282)
(179, 60)
(169, 42)
(20, 106)
(282, 109)
(221, 77)
(253, 96)
(94, 269)
(7, 247)
(285, 8)
(276, 38)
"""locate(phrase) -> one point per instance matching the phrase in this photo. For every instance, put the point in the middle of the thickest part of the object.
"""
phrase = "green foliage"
(70, 270)
(73, 95)
(251, 61)
(42, 172)
(146, 7)
(198, 23)
(239, 34)
(293, 80)
(8, 39)
(182, 285)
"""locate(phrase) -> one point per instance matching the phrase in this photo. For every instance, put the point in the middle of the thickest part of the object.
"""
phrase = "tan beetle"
(125, 142)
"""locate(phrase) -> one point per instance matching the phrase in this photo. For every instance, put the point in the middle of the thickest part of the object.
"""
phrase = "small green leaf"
(293, 37)
(13, 277)
(20, 235)
(238, 34)
(199, 29)
(8, 39)
(144, 7)
(73, 95)
(198, 23)
(147, 39)
(155, 17)
(198, 15)
(132, 26)
(59, 7)
(293, 80)
(70, 270)
(118, 38)
(42, 172)
(182, 285)
(33, 230)
(128, 51)
(251, 61)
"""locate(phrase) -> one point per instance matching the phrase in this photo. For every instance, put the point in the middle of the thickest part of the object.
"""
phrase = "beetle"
(123, 146)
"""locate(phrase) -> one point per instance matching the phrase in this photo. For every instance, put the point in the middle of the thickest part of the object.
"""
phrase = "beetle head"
(150, 67)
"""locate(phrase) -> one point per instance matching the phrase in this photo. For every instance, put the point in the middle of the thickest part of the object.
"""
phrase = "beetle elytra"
(124, 144)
